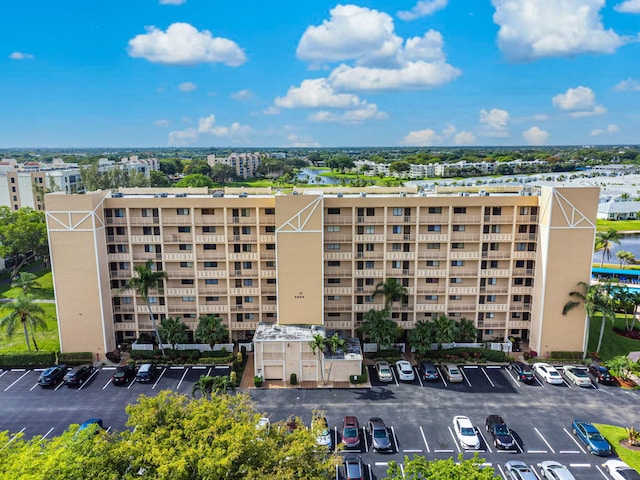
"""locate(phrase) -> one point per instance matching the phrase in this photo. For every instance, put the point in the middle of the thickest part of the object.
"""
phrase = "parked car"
(350, 432)
(78, 375)
(518, 470)
(591, 437)
(620, 470)
(548, 373)
(428, 371)
(577, 375)
(94, 423)
(452, 372)
(522, 371)
(52, 375)
(601, 374)
(384, 371)
(405, 371)
(353, 468)
(466, 433)
(555, 471)
(502, 437)
(380, 440)
(321, 430)
(124, 374)
(146, 372)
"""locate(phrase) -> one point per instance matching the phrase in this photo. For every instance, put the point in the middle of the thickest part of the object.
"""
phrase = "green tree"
(170, 166)
(204, 385)
(23, 232)
(197, 167)
(211, 330)
(399, 167)
(379, 328)
(467, 331)
(625, 258)
(334, 344)
(622, 366)
(605, 241)
(195, 180)
(158, 179)
(595, 299)
(173, 331)
(221, 173)
(422, 336)
(147, 279)
(318, 345)
(419, 468)
(446, 330)
(26, 281)
(391, 290)
(26, 312)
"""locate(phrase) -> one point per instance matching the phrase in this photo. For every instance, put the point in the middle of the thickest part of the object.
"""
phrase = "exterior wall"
(277, 360)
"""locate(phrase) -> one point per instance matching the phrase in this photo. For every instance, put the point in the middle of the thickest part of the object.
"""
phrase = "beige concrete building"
(506, 259)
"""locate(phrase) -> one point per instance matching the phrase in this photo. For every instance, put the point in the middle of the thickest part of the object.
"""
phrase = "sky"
(313, 73)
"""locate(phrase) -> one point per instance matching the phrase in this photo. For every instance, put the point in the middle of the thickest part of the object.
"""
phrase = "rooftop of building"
(273, 332)
(353, 351)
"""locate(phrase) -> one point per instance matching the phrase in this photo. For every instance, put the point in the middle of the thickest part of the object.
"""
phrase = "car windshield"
(501, 430)
(354, 469)
(406, 370)
(467, 431)
(379, 433)
(553, 374)
(385, 370)
(350, 432)
(454, 371)
(579, 373)
(595, 436)
(629, 474)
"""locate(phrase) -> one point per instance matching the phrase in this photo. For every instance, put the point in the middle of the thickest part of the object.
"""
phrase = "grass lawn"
(45, 291)
(47, 340)
(613, 436)
(620, 225)
(612, 343)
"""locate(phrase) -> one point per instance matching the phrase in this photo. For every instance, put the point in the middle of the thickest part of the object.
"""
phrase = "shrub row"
(75, 358)
(567, 355)
(360, 379)
(475, 354)
(390, 355)
(27, 360)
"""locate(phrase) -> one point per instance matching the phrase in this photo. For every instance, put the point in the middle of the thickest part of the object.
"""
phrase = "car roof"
(450, 366)
(495, 419)
(463, 421)
(426, 363)
(403, 362)
(377, 422)
(350, 419)
(382, 363)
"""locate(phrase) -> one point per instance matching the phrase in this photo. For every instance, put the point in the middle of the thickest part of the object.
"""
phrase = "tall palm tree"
(391, 290)
(334, 343)
(467, 331)
(211, 330)
(147, 279)
(318, 344)
(174, 331)
(28, 313)
(625, 258)
(446, 330)
(605, 241)
(380, 328)
(422, 336)
(204, 385)
(26, 281)
(594, 298)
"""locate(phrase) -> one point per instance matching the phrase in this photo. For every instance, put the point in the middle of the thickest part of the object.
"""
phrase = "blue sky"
(312, 73)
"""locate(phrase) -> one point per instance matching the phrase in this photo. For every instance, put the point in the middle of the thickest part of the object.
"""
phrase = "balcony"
(337, 290)
(176, 220)
(146, 239)
(180, 292)
(497, 237)
(493, 307)
(124, 274)
(243, 326)
(211, 255)
(212, 274)
(524, 255)
(430, 307)
(433, 237)
(244, 256)
(244, 291)
(119, 257)
(213, 308)
(464, 255)
(178, 257)
(338, 324)
(178, 238)
(211, 238)
(400, 255)
(117, 239)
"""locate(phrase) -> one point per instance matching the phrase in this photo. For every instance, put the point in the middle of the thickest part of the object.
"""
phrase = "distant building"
(245, 164)
(619, 210)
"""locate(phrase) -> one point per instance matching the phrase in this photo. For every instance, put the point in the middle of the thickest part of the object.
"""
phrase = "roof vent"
(116, 195)
(181, 195)
(340, 194)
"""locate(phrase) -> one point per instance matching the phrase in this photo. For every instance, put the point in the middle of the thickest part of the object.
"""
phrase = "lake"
(630, 243)
(313, 177)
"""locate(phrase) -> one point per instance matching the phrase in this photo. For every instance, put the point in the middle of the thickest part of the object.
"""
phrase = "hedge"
(28, 360)
(567, 355)
(362, 378)
(473, 354)
(75, 358)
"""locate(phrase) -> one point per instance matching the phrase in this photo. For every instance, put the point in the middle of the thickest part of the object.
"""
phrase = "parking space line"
(95, 372)
(580, 465)
(4, 373)
(46, 434)
(198, 368)
(381, 464)
(20, 369)
(107, 384)
(335, 440)
(59, 385)
(501, 471)
(159, 377)
(454, 440)
(487, 375)
(424, 439)
(601, 472)
(393, 374)
(569, 451)
(395, 439)
(402, 470)
(465, 377)
(176, 368)
(484, 440)
(133, 380)
(17, 380)
(209, 371)
(537, 451)
(493, 366)
(443, 451)
(419, 376)
(12, 438)
(34, 386)
(442, 378)
(370, 472)
(572, 437)
(508, 372)
(108, 368)
(183, 375)
(520, 446)
(412, 451)
(364, 437)
(219, 366)
(544, 440)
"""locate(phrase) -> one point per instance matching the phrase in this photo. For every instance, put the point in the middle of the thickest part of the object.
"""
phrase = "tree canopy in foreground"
(419, 468)
(173, 437)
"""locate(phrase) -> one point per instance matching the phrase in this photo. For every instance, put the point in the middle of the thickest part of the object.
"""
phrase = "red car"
(350, 432)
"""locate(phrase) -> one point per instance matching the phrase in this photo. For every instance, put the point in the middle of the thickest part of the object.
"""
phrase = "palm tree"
(380, 328)
(334, 343)
(29, 313)
(204, 385)
(467, 331)
(174, 331)
(605, 241)
(635, 299)
(318, 345)
(26, 281)
(594, 298)
(625, 258)
(211, 330)
(446, 330)
(391, 290)
(422, 337)
(147, 279)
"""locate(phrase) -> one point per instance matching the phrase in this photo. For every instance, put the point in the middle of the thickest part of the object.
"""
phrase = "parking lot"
(418, 414)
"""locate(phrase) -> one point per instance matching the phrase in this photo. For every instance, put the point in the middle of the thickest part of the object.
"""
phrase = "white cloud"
(301, 141)
(428, 47)
(422, 9)
(367, 112)
(422, 138)
(532, 29)
(187, 87)
(611, 129)
(317, 93)
(578, 102)
(495, 122)
(271, 110)
(535, 136)
(628, 85)
(242, 95)
(183, 44)
(21, 56)
(172, 2)
(162, 123)
(207, 127)
(628, 6)
(465, 138)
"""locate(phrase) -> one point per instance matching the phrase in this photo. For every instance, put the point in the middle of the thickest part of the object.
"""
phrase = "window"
(182, 211)
(491, 298)
(246, 230)
(369, 247)
(494, 246)
(333, 246)
(208, 229)
(247, 282)
(184, 246)
(184, 229)
(431, 298)
(455, 280)
(333, 211)
(433, 228)
(458, 228)
(211, 281)
(457, 246)
(210, 264)
(368, 282)
(333, 228)
(333, 280)
(188, 299)
(270, 229)
(333, 263)
(396, 247)
(396, 264)
(270, 246)
(128, 300)
(457, 263)
(208, 211)
(272, 264)
(431, 280)
(271, 281)
(522, 229)
(369, 264)
(496, 211)
(397, 211)
(517, 298)
(524, 210)
(459, 210)
(396, 229)
(246, 247)
(186, 281)
(247, 265)
(248, 299)
(269, 211)
(489, 315)
(212, 299)
(516, 315)
(521, 246)
(435, 210)
(433, 246)
(245, 212)
(118, 212)
(492, 281)
(369, 229)
(455, 297)
(433, 263)
(209, 246)
(186, 264)
(333, 297)
(123, 266)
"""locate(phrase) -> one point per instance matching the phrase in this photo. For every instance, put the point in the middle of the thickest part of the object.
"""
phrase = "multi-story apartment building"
(505, 260)
(245, 164)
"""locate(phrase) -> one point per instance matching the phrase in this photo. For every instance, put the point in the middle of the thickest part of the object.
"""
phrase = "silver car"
(517, 470)
(555, 471)
(384, 371)
(452, 372)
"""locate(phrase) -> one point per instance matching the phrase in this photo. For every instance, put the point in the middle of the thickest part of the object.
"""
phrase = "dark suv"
(502, 437)
(124, 374)
(353, 468)
(601, 374)
(523, 372)
(52, 376)
(78, 375)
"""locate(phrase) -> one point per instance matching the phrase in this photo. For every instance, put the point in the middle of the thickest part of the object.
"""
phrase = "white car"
(555, 471)
(620, 470)
(405, 371)
(466, 433)
(548, 373)
(577, 375)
